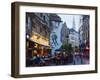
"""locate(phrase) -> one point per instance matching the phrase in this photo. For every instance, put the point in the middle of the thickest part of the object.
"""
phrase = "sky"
(69, 20)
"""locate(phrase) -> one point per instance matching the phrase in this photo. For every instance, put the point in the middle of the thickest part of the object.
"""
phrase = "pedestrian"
(76, 57)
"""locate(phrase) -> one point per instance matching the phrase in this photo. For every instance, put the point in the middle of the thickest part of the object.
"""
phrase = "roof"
(72, 30)
(54, 17)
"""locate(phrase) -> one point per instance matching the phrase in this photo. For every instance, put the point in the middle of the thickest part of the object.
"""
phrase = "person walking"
(76, 57)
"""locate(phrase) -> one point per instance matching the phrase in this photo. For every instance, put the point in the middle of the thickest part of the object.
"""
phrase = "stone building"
(64, 34)
(85, 28)
(37, 34)
(80, 35)
(84, 31)
(73, 35)
(74, 38)
(37, 24)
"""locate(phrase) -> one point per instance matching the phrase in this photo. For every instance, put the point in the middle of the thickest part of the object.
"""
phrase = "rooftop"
(73, 30)
(54, 17)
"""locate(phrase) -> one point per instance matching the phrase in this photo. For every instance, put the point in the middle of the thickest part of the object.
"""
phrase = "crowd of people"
(57, 59)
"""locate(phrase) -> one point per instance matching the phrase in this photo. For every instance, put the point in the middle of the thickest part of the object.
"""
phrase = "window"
(41, 14)
(72, 38)
(44, 18)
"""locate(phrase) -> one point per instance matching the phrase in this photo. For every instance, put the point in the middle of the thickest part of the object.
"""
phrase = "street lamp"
(27, 36)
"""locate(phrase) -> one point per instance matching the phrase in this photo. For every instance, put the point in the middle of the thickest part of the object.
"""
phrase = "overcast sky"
(69, 20)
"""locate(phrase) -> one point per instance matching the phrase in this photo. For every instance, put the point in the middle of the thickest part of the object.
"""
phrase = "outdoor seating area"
(50, 60)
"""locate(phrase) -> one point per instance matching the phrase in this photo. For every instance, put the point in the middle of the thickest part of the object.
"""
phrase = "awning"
(40, 39)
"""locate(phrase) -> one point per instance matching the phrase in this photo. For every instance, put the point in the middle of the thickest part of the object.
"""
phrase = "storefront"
(87, 50)
(37, 45)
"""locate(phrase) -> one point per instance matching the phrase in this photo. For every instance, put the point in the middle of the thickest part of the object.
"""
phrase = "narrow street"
(54, 40)
(80, 60)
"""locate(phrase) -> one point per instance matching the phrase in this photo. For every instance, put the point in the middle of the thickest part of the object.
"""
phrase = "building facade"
(84, 32)
(74, 35)
(55, 25)
(64, 34)
(85, 28)
(74, 38)
(37, 23)
(37, 34)
(80, 35)
(55, 21)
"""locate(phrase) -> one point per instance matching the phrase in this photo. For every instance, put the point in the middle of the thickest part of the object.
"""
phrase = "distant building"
(73, 36)
(85, 28)
(84, 31)
(81, 41)
(64, 34)
(81, 36)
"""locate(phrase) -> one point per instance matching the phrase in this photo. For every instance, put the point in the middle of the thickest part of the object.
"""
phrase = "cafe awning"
(40, 39)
